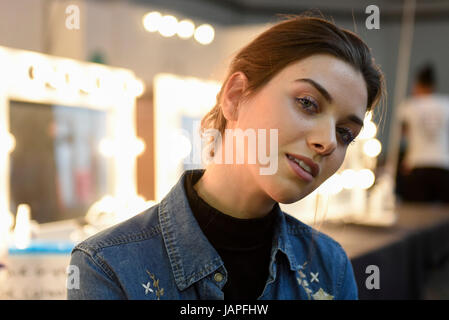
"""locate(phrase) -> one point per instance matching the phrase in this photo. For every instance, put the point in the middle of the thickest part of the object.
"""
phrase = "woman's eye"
(346, 135)
(310, 106)
(307, 104)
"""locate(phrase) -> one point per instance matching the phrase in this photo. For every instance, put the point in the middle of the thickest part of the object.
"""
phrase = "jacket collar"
(191, 255)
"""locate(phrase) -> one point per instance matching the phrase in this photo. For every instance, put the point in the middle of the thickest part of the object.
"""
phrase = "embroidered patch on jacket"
(151, 287)
(320, 294)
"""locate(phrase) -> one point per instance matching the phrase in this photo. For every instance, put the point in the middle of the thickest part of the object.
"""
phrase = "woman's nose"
(323, 139)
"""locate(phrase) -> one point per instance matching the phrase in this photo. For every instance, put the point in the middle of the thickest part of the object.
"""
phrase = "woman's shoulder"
(141, 227)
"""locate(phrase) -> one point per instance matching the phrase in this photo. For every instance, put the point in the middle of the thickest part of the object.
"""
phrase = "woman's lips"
(314, 167)
(300, 172)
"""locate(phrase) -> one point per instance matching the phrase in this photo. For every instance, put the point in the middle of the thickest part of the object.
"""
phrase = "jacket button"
(218, 277)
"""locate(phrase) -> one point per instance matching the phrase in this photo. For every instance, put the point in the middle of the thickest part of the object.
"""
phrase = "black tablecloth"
(406, 253)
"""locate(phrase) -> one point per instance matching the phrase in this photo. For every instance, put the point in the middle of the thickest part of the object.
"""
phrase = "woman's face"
(318, 106)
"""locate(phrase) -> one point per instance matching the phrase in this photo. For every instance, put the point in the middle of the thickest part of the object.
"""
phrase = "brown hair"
(291, 40)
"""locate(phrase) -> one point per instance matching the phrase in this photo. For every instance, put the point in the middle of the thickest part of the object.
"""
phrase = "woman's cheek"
(290, 132)
(335, 163)
(341, 157)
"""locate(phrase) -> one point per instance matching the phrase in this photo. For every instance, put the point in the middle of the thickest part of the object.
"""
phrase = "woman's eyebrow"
(355, 119)
(319, 87)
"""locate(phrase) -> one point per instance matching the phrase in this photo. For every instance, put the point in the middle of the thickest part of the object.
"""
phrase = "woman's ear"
(232, 95)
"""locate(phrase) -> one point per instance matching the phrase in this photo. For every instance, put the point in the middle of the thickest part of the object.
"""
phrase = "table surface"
(358, 240)
(406, 253)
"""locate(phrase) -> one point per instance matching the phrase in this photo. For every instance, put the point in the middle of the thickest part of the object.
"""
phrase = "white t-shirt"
(428, 126)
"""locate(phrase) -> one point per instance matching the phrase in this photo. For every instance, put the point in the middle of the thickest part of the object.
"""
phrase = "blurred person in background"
(424, 168)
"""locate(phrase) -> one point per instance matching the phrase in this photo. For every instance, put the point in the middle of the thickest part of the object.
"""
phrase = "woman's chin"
(282, 188)
(288, 194)
(284, 199)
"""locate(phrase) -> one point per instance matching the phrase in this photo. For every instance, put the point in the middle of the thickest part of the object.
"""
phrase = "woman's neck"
(231, 190)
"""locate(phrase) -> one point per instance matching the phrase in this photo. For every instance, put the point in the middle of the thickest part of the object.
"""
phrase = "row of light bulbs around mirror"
(168, 26)
(347, 179)
(66, 76)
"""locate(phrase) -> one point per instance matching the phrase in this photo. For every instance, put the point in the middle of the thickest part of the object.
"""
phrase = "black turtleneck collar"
(225, 231)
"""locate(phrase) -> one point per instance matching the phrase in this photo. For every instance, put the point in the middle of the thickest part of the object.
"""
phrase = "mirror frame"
(194, 98)
(37, 78)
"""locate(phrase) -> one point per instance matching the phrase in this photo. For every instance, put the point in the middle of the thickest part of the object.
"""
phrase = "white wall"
(21, 24)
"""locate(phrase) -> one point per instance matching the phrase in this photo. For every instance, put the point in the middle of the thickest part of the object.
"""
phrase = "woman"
(220, 233)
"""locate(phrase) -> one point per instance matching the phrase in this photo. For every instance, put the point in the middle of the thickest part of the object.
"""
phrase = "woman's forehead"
(321, 65)
(345, 85)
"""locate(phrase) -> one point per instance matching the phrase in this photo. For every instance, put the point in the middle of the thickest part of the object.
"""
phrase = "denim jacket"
(163, 254)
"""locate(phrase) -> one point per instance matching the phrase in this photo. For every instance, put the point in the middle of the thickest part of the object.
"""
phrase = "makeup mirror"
(56, 167)
(67, 137)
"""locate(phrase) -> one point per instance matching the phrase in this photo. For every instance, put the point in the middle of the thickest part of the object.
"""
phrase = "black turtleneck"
(243, 244)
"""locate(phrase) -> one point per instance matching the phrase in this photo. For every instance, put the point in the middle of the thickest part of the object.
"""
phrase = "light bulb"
(348, 178)
(139, 146)
(204, 34)
(152, 21)
(366, 178)
(180, 147)
(168, 26)
(369, 131)
(106, 147)
(372, 148)
(185, 29)
(138, 87)
(22, 230)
